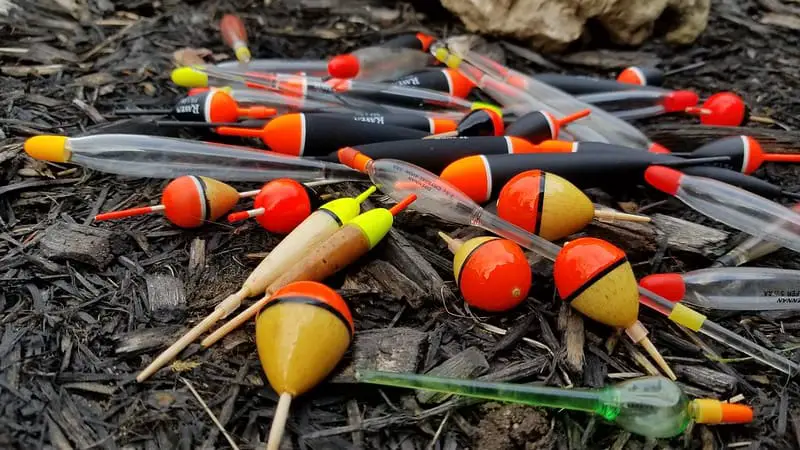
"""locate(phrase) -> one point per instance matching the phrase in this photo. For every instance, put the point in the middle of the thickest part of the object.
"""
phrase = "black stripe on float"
(332, 214)
(466, 258)
(313, 302)
(537, 227)
(586, 285)
(204, 194)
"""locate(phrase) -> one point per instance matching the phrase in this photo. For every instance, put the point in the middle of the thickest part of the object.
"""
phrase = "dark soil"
(84, 308)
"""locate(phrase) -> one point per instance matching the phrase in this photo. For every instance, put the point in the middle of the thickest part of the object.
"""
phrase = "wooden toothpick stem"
(279, 421)
(222, 310)
(603, 214)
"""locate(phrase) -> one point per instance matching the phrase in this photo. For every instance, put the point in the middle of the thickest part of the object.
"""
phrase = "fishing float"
(721, 170)
(595, 278)
(161, 157)
(479, 122)
(346, 245)
(388, 61)
(654, 407)
(210, 106)
(188, 202)
(309, 134)
(538, 126)
(730, 288)
(439, 198)
(234, 34)
(317, 228)
(549, 206)
(578, 85)
(482, 176)
(446, 80)
(280, 206)
(436, 154)
(639, 104)
(722, 109)
(492, 274)
(476, 67)
(318, 88)
(750, 248)
(642, 76)
(730, 205)
(745, 152)
(302, 333)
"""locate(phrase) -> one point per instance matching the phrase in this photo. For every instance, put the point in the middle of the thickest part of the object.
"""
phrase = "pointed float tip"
(344, 66)
(658, 148)
(668, 285)
(363, 196)
(243, 215)
(710, 411)
(47, 148)
(396, 209)
(189, 77)
(677, 101)
(663, 178)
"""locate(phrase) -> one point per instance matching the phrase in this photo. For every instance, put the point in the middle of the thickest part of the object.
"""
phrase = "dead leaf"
(95, 79)
(190, 56)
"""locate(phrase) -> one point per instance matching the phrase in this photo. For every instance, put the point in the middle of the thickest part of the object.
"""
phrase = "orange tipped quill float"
(235, 36)
(301, 334)
(596, 278)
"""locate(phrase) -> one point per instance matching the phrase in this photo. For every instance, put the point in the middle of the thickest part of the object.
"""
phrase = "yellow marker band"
(445, 57)
(347, 208)
(374, 224)
(706, 410)
(687, 317)
(484, 105)
(242, 54)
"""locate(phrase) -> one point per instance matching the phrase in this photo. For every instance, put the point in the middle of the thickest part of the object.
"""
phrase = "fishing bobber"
(596, 278)
(210, 106)
(722, 109)
(479, 122)
(492, 273)
(301, 334)
(308, 134)
(280, 206)
(550, 206)
(349, 65)
(234, 34)
(446, 80)
(745, 152)
(188, 202)
(642, 76)
(538, 126)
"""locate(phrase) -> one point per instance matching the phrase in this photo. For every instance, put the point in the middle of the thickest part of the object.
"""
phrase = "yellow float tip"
(48, 148)
(189, 77)
(243, 54)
